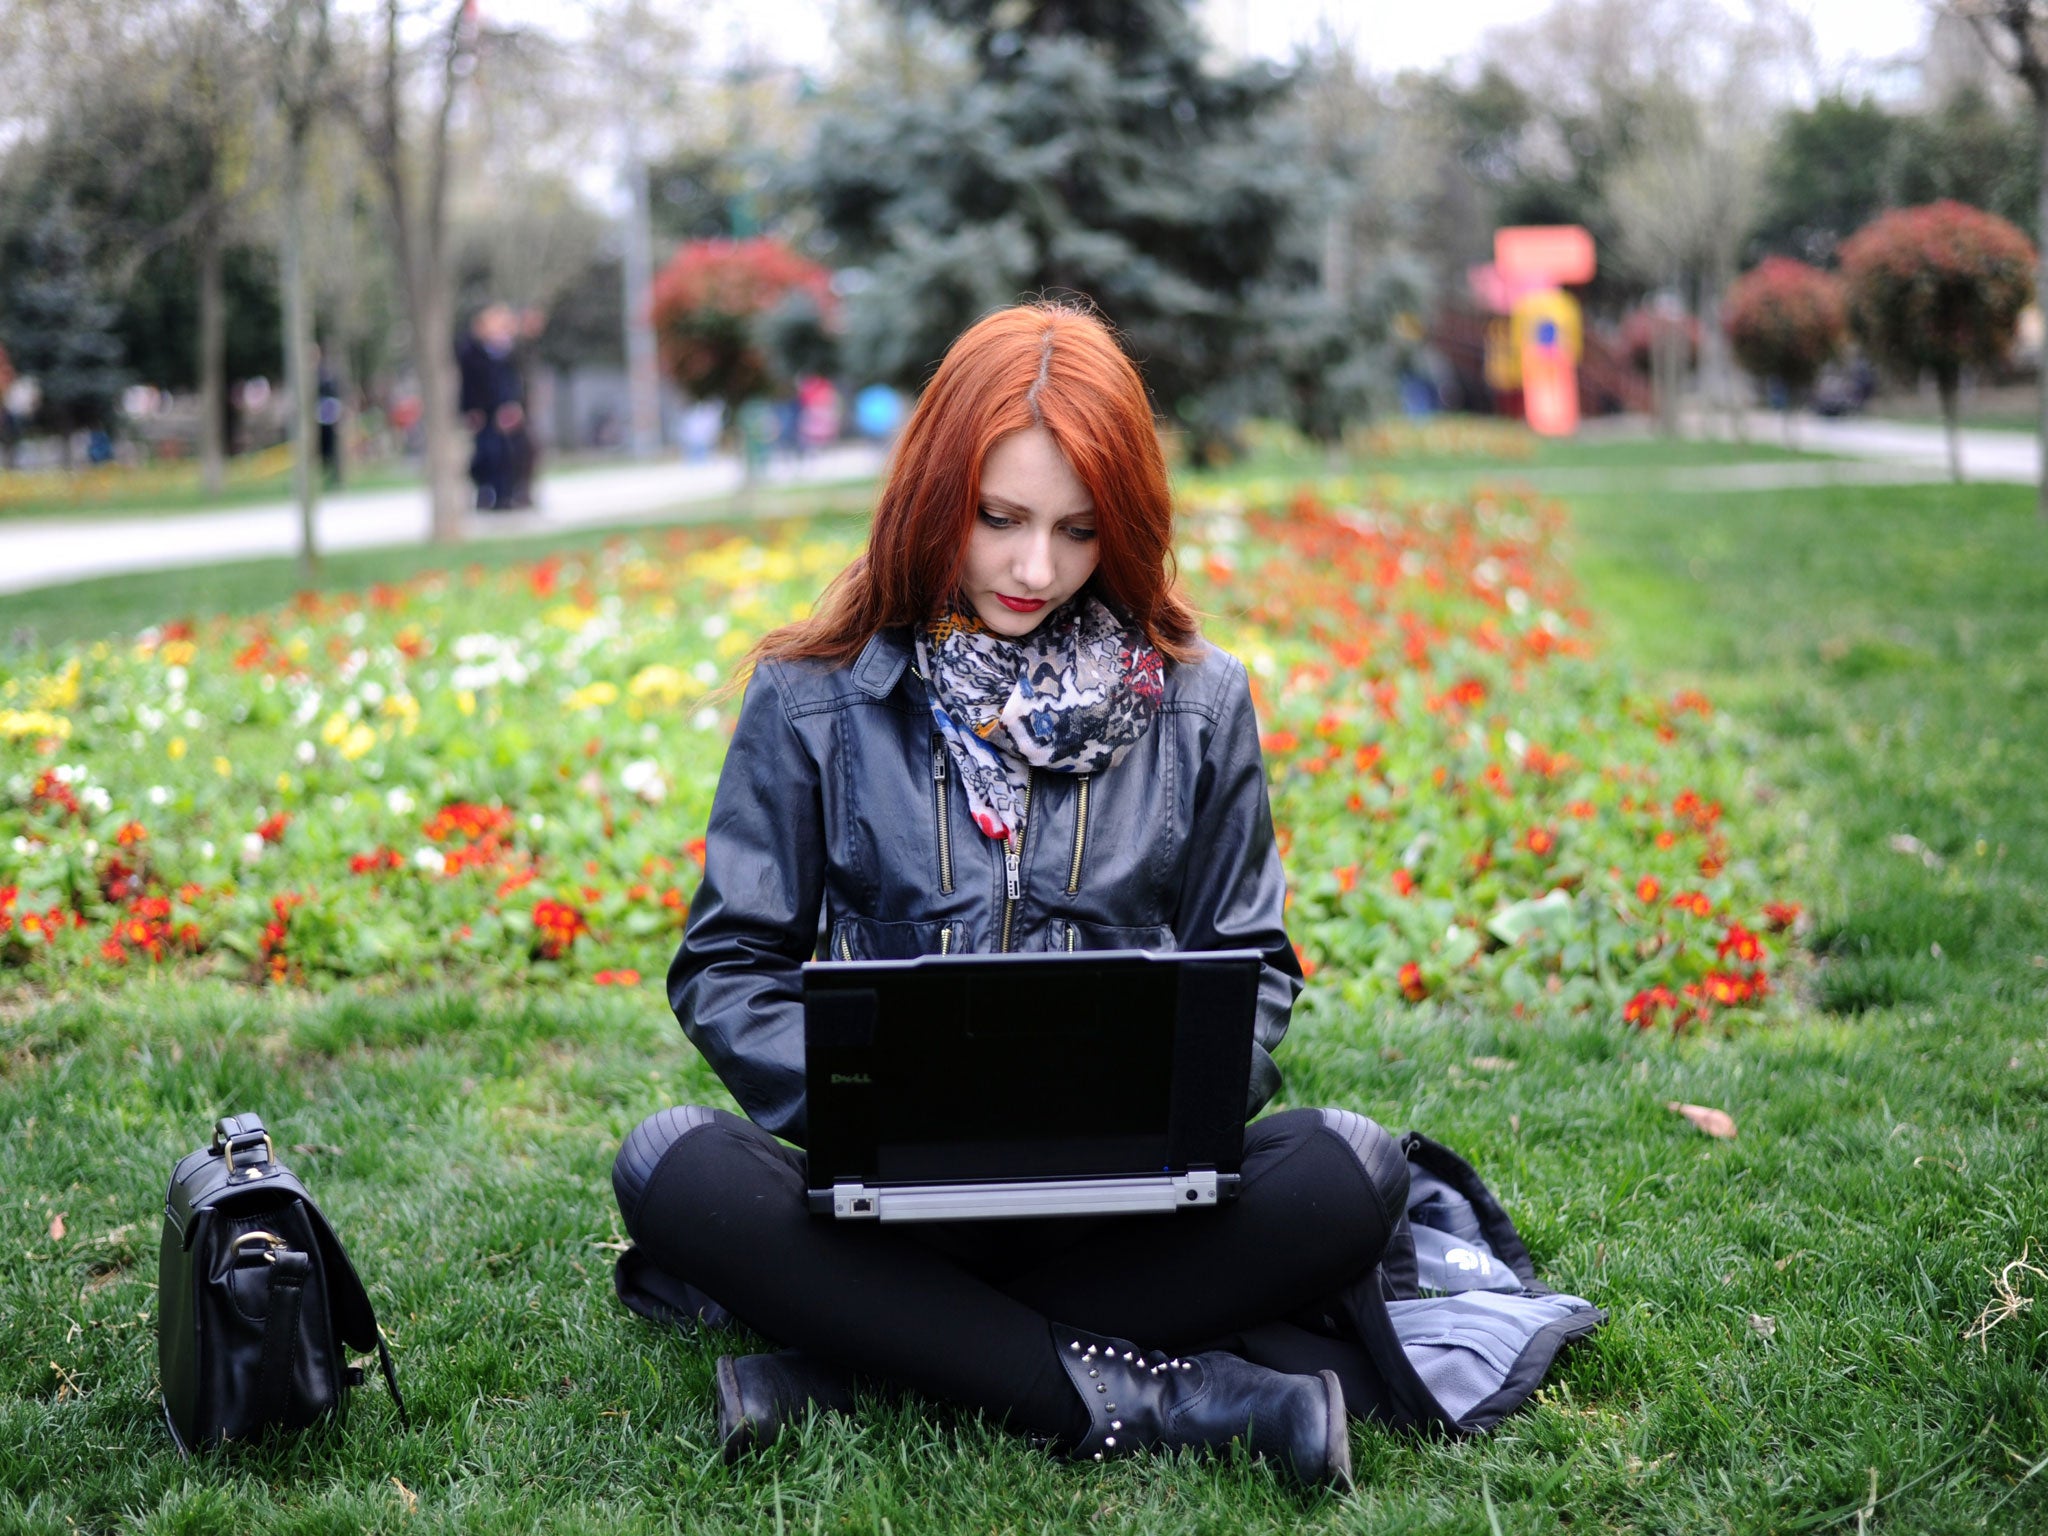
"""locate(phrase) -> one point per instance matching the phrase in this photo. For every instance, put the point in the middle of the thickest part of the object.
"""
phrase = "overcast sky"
(1390, 34)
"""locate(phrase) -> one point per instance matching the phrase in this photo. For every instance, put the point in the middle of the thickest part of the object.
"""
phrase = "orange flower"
(1278, 743)
(1347, 876)
(272, 831)
(1642, 1009)
(1580, 810)
(1781, 915)
(1539, 840)
(1413, 987)
(1648, 889)
(1694, 902)
(695, 849)
(1404, 883)
(627, 977)
(131, 833)
(1308, 966)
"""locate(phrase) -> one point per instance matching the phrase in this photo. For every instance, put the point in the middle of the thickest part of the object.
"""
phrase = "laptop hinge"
(1197, 1189)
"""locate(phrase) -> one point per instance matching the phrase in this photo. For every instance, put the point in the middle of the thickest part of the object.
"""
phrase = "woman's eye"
(1080, 535)
(994, 519)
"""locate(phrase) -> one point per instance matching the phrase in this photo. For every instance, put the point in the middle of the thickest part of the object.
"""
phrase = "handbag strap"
(288, 1271)
(391, 1378)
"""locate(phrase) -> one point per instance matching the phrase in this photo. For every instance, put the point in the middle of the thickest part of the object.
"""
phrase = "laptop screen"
(985, 1067)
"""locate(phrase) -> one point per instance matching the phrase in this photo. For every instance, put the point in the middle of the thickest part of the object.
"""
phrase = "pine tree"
(58, 325)
(1088, 148)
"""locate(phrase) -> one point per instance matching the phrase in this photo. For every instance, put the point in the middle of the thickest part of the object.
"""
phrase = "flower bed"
(506, 775)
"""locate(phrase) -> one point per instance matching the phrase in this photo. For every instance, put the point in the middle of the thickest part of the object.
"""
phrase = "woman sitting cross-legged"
(1013, 644)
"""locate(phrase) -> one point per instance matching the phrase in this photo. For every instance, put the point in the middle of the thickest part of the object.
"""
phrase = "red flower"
(1347, 876)
(1580, 810)
(1279, 743)
(272, 831)
(1539, 840)
(1781, 915)
(557, 925)
(627, 977)
(1740, 944)
(131, 833)
(1404, 883)
(695, 846)
(1648, 890)
(1413, 987)
(1643, 1009)
(471, 823)
(1694, 902)
(374, 860)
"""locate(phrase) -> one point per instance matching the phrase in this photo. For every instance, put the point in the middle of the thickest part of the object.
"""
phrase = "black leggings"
(964, 1311)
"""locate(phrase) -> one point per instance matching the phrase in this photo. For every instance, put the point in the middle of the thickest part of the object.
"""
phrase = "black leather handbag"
(255, 1297)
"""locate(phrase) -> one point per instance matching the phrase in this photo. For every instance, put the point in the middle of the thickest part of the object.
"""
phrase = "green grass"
(1886, 651)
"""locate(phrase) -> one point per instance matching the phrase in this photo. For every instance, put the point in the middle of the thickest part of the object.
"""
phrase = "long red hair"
(1050, 365)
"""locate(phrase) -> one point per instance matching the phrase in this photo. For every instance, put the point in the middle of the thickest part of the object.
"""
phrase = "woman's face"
(1033, 541)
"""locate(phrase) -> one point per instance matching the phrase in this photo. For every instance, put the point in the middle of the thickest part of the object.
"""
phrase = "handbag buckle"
(255, 1170)
(269, 1254)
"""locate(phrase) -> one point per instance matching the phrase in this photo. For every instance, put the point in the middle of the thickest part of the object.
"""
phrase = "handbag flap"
(355, 1320)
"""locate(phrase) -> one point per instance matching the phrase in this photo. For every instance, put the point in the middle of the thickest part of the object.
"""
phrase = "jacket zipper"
(1080, 840)
(940, 815)
(1070, 926)
(1013, 862)
(946, 939)
(845, 949)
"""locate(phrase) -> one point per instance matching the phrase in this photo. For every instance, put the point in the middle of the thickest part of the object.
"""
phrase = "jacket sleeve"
(735, 984)
(1235, 893)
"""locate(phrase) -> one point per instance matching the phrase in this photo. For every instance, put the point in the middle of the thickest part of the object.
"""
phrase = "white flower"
(398, 801)
(206, 851)
(372, 693)
(175, 678)
(252, 847)
(308, 707)
(21, 845)
(92, 847)
(643, 777)
(705, 672)
(93, 797)
(432, 860)
(193, 719)
(305, 752)
(716, 625)
(158, 795)
(705, 719)
(535, 822)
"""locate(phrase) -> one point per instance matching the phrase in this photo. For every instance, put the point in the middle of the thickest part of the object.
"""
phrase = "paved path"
(2013, 457)
(47, 553)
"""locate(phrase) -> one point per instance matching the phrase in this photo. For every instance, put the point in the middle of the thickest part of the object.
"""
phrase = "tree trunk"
(298, 360)
(643, 376)
(212, 361)
(433, 331)
(1945, 383)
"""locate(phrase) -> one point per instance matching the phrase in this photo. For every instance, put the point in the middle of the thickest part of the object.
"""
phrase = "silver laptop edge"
(1193, 1190)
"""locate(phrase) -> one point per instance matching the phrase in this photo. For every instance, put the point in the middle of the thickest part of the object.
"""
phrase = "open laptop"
(970, 1087)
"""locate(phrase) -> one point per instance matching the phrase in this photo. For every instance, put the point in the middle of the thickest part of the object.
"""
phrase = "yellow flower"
(284, 783)
(59, 691)
(592, 696)
(569, 616)
(33, 722)
(335, 728)
(178, 653)
(406, 709)
(732, 643)
(176, 748)
(465, 701)
(663, 684)
(360, 739)
(223, 767)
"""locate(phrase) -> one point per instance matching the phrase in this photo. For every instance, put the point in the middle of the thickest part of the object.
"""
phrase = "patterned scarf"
(1071, 697)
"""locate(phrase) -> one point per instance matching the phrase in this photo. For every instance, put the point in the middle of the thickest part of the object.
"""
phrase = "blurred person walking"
(493, 404)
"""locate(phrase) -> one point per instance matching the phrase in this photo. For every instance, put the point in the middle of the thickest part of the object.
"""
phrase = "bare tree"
(412, 163)
(301, 57)
(2016, 34)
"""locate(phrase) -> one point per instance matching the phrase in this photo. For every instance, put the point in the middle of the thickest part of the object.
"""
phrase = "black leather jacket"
(837, 796)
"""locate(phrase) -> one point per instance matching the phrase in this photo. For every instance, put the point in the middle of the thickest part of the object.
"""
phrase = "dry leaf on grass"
(57, 1228)
(2006, 1302)
(412, 1500)
(1715, 1122)
(1493, 1064)
(1763, 1327)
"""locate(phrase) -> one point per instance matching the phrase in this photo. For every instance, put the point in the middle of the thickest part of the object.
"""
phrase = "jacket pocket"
(1074, 934)
(864, 938)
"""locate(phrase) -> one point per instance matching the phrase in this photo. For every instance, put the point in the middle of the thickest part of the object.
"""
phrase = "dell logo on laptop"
(853, 1077)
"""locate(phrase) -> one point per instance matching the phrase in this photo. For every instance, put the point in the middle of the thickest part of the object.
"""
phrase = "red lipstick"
(1020, 604)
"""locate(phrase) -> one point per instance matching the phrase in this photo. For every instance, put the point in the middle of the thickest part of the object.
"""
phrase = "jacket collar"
(881, 662)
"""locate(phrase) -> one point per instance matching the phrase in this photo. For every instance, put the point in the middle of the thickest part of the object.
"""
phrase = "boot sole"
(1336, 1434)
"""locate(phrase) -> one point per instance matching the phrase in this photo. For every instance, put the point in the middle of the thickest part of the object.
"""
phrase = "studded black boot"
(1136, 1399)
(759, 1395)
